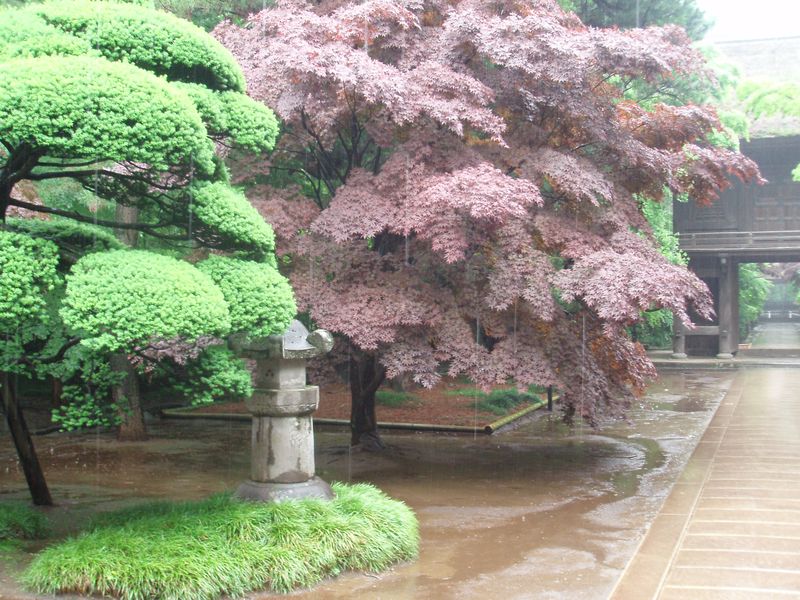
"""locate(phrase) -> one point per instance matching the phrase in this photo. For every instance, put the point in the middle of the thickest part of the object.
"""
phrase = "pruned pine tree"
(140, 108)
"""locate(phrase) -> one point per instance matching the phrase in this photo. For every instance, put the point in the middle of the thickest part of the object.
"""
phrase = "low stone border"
(488, 429)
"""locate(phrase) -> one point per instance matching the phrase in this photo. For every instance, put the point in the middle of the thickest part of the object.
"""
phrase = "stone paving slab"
(730, 528)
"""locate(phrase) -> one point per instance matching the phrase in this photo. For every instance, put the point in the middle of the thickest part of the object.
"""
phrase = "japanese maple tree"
(458, 188)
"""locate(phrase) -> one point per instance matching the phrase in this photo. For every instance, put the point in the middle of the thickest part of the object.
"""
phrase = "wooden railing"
(739, 241)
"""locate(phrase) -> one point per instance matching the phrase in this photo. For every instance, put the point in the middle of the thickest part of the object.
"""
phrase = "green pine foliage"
(72, 239)
(224, 547)
(144, 296)
(153, 40)
(227, 216)
(259, 298)
(248, 123)
(216, 375)
(54, 100)
(104, 105)
(24, 35)
(28, 269)
(641, 13)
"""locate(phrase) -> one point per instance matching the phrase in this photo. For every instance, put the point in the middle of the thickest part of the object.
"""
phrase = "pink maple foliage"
(470, 173)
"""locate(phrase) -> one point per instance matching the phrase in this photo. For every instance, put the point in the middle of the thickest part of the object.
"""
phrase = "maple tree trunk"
(127, 396)
(366, 376)
(37, 485)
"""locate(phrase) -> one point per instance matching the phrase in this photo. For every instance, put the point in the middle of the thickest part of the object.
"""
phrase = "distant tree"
(209, 13)
(139, 107)
(464, 183)
(769, 99)
(628, 14)
(753, 291)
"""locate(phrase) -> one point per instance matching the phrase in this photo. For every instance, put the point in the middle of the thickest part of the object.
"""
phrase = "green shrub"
(394, 399)
(19, 521)
(217, 374)
(500, 401)
(221, 546)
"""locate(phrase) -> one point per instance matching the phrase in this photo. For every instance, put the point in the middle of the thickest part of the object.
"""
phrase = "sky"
(751, 19)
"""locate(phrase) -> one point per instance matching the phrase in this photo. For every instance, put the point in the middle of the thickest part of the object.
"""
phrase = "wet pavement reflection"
(543, 511)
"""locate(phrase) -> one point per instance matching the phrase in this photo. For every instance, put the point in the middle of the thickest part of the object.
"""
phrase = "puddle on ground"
(541, 512)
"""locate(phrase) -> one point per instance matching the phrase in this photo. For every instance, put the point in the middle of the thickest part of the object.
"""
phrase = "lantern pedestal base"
(256, 491)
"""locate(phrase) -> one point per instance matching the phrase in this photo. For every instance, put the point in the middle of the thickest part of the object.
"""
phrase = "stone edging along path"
(487, 428)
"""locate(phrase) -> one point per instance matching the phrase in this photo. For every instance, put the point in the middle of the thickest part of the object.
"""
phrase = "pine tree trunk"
(127, 215)
(127, 396)
(366, 376)
(24, 444)
(57, 387)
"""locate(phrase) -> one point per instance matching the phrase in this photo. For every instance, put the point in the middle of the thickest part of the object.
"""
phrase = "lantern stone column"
(282, 451)
(678, 338)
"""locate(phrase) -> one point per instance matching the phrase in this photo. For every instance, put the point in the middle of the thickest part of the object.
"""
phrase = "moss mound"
(222, 546)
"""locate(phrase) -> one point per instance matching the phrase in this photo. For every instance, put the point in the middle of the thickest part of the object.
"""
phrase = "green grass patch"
(500, 401)
(394, 399)
(8, 548)
(18, 521)
(222, 546)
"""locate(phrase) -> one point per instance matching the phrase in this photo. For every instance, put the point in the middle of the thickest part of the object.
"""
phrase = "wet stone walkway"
(731, 526)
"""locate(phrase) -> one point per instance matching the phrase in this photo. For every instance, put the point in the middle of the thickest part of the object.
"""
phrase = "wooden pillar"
(728, 299)
(735, 292)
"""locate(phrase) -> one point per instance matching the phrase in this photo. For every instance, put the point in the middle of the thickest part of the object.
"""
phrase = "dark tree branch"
(67, 163)
(66, 173)
(377, 162)
(56, 357)
(323, 157)
(148, 228)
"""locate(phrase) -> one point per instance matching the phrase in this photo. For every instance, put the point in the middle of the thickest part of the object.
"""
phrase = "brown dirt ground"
(432, 406)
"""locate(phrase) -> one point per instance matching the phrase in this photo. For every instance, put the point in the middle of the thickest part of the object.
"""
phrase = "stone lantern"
(282, 453)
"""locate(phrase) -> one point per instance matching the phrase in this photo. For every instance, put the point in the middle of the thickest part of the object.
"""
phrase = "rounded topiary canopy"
(73, 239)
(27, 273)
(85, 107)
(23, 34)
(227, 217)
(250, 124)
(150, 39)
(121, 299)
(259, 298)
